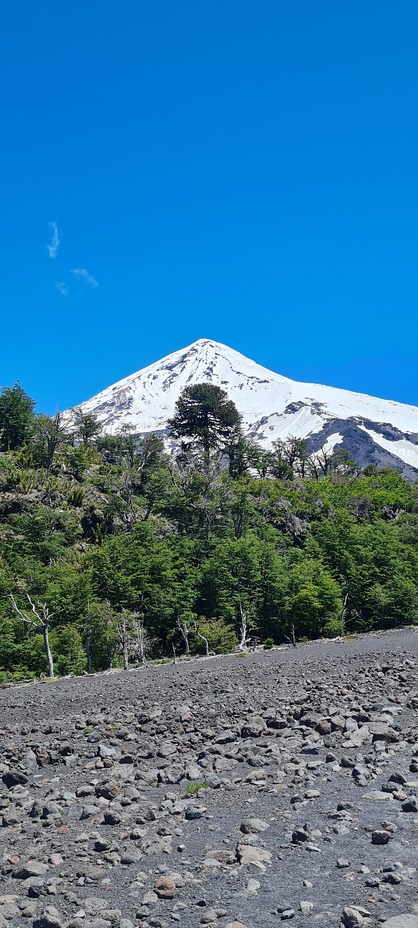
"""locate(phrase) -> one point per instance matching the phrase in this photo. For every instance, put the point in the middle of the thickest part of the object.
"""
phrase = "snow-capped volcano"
(272, 407)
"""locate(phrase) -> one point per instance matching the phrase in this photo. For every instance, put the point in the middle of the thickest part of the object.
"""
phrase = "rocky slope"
(272, 407)
(281, 786)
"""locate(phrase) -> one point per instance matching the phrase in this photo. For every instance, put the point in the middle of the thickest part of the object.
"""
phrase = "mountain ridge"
(374, 431)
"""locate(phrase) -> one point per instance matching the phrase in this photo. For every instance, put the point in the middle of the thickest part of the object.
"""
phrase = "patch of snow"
(403, 449)
(331, 442)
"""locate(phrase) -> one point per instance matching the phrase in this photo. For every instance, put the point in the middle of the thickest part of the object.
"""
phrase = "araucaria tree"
(204, 414)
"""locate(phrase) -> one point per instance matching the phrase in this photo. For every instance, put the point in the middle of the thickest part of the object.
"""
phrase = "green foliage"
(16, 417)
(49, 438)
(87, 427)
(78, 461)
(98, 630)
(333, 629)
(117, 539)
(192, 788)
(67, 647)
(220, 635)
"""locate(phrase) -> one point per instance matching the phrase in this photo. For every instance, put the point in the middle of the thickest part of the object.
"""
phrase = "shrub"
(333, 629)
(192, 788)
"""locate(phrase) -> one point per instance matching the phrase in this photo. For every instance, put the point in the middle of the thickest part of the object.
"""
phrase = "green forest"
(116, 550)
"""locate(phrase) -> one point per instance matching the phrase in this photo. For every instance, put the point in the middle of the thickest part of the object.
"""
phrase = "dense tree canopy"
(128, 552)
(16, 417)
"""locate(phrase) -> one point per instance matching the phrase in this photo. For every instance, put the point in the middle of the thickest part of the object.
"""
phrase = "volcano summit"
(372, 430)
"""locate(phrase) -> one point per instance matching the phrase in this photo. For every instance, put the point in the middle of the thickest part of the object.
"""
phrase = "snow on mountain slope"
(271, 406)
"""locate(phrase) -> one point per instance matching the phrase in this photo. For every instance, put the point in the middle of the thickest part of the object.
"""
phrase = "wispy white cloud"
(52, 248)
(62, 288)
(80, 273)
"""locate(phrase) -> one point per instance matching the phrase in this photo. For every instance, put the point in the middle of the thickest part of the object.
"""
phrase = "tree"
(261, 460)
(290, 458)
(142, 640)
(313, 597)
(124, 633)
(237, 450)
(243, 629)
(216, 635)
(204, 414)
(50, 434)
(133, 638)
(87, 427)
(68, 649)
(323, 462)
(231, 585)
(16, 417)
(39, 622)
(99, 634)
(185, 624)
(115, 449)
(199, 634)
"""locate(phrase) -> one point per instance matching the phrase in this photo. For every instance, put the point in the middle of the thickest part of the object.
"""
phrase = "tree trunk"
(39, 623)
(184, 631)
(48, 651)
(141, 645)
(88, 655)
(243, 629)
(141, 652)
(125, 654)
(51, 449)
(205, 641)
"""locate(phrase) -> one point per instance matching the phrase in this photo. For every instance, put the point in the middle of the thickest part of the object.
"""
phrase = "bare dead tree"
(124, 635)
(244, 629)
(202, 638)
(292, 636)
(184, 630)
(39, 622)
(133, 638)
(142, 641)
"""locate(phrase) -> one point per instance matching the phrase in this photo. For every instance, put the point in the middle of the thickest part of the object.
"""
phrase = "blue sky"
(244, 171)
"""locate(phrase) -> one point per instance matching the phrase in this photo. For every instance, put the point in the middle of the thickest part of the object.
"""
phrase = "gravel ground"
(239, 790)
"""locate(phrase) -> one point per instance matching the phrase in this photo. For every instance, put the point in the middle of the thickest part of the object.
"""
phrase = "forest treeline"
(113, 550)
